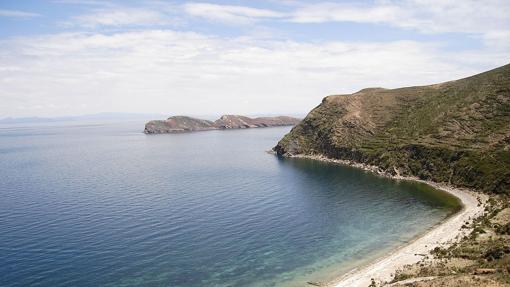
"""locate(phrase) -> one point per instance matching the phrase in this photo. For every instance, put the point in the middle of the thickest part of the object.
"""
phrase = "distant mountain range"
(456, 132)
(98, 116)
(178, 124)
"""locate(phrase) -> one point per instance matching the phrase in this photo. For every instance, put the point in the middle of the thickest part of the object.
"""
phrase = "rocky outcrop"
(455, 132)
(178, 124)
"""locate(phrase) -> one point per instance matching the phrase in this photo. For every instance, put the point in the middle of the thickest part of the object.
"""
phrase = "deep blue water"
(105, 205)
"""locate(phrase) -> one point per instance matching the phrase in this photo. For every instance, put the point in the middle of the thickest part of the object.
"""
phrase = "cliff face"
(179, 124)
(456, 132)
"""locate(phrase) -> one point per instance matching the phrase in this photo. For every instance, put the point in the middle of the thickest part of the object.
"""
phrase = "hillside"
(456, 132)
(179, 124)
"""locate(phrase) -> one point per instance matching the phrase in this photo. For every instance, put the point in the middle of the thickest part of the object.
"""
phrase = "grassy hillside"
(456, 132)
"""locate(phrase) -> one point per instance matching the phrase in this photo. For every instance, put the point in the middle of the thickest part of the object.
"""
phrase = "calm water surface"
(86, 204)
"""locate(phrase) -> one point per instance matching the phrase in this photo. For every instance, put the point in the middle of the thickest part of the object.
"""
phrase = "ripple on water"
(105, 205)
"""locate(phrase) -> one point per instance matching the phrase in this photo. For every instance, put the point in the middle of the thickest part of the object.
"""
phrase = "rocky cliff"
(456, 132)
(178, 124)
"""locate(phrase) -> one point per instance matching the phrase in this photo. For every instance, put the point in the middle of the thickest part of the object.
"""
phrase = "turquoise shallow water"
(88, 204)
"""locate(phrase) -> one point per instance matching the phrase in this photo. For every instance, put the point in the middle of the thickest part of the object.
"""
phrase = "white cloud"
(172, 72)
(499, 39)
(331, 12)
(165, 71)
(16, 13)
(428, 16)
(84, 2)
(120, 17)
(229, 13)
(487, 20)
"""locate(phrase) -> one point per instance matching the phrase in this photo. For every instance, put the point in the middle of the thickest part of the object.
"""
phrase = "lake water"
(88, 204)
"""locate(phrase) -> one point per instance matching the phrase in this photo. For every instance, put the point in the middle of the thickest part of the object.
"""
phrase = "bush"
(497, 252)
(505, 229)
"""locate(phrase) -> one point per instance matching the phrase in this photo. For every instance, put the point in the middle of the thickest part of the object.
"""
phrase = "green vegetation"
(484, 254)
(456, 132)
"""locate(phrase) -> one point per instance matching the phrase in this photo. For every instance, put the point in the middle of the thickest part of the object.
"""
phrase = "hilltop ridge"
(456, 132)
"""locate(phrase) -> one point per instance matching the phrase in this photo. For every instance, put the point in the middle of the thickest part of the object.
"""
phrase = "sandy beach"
(445, 233)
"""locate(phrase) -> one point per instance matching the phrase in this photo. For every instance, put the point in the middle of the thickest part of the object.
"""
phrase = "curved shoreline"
(443, 234)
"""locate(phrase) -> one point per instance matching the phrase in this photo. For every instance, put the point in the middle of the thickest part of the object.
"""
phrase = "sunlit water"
(105, 205)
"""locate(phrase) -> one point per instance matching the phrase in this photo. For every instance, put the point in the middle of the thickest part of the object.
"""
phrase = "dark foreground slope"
(179, 124)
(456, 132)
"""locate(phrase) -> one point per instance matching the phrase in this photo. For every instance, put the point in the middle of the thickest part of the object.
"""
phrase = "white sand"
(449, 231)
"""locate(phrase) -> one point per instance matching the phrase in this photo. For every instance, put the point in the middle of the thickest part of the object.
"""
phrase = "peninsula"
(454, 136)
(456, 132)
(179, 124)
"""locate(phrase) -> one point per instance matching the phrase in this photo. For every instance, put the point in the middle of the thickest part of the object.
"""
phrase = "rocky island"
(454, 136)
(179, 124)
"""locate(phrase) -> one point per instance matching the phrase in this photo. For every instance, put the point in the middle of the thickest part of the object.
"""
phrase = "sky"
(73, 57)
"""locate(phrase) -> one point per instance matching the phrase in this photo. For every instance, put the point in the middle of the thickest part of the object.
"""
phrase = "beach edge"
(445, 233)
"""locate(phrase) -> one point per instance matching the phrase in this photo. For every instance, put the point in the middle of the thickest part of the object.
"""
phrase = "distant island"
(179, 124)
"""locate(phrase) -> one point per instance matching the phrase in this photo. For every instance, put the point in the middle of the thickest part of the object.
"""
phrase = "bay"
(102, 204)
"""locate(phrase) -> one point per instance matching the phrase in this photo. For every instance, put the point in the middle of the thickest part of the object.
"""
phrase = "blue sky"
(72, 57)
